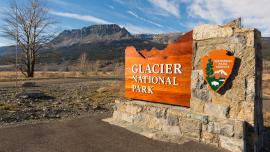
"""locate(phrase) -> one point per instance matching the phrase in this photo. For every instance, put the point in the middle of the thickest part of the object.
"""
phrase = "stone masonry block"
(133, 109)
(222, 128)
(196, 105)
(232, 144)
(191, 128)
(216, 110)
(203, 32)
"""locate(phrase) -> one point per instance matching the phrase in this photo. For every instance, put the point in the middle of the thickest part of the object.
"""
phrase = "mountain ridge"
(90, 34)
(105, 41)
(100, 33)
(99, 42)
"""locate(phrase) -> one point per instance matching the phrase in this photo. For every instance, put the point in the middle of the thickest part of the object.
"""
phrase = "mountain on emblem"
(217, 67)
(220, 72)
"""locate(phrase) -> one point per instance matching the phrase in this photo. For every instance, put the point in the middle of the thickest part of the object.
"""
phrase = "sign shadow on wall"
(228, 85)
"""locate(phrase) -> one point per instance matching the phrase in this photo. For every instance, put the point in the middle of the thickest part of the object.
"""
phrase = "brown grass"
(10, 76)
(8, 107)
(266, 76)
(266, 96)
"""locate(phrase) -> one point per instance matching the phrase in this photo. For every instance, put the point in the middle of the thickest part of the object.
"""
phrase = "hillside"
(104, 50)
(100, 42)
(91, 34)
(266, 47)
(159, 38)
(7, 50)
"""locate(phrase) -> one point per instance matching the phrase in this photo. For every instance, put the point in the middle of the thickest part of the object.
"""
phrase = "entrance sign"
(160, 75)
(165, 76)
(217, 68)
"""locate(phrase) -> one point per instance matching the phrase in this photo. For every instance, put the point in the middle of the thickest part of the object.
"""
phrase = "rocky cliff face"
(107, 32)
(91, 34)
(159, 38)
(100, 42)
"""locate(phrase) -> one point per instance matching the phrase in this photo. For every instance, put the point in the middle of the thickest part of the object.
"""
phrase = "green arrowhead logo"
(217, 67)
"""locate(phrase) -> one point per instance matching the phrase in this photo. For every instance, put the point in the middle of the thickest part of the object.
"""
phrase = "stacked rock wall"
(240, 99)
(231, 119)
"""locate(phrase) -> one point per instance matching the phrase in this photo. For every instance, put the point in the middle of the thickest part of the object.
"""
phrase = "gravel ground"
(56, 99)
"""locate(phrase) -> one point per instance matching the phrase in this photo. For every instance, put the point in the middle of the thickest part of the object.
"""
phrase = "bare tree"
(118, 69)
(28, 25)
(83, 63)
(97, 65)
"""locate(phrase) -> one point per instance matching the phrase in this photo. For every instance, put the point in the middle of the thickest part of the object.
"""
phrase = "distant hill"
(7, 50)
(266, 47)
(105, 33)
(91, 34)
(159, 38)
(100, 42)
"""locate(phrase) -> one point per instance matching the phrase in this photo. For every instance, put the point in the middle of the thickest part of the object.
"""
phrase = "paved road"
(85, 135)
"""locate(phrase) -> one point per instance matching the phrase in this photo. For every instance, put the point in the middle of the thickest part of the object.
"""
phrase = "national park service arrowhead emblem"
(217, 68)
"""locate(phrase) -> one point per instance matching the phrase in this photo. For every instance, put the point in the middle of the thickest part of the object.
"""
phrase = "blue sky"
(152, 16)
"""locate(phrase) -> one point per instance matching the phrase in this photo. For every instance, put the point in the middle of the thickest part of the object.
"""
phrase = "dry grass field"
(11, 76)
(266, 98)
(266, 108)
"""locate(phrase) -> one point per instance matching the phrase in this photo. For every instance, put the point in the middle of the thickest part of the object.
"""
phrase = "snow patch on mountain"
(221, 72)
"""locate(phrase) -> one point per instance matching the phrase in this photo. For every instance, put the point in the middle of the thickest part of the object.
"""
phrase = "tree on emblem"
(209, 68)
(210, 76)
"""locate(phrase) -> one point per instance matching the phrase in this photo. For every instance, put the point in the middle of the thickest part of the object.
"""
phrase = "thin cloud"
(169, 6)
(59, 2)
(6, 42)
(253, 13)
(88, 18)
(143, 19)
(132, 28)
(110, 6)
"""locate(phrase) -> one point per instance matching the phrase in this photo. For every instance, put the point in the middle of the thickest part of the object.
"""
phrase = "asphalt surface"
(88, 134)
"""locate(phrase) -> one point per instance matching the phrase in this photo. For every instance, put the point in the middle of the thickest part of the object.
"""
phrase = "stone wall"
(231, 119)
(240, 99)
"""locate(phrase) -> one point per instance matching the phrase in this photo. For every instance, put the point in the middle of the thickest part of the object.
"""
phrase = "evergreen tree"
(209, 68)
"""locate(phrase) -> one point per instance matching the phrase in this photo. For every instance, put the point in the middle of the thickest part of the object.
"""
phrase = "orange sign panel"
(160, 75)
(217, 68)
